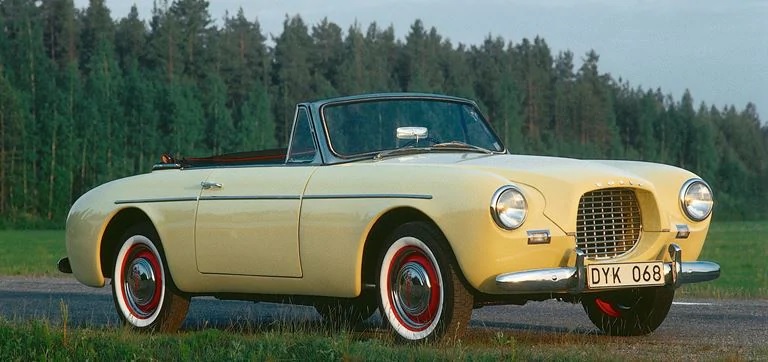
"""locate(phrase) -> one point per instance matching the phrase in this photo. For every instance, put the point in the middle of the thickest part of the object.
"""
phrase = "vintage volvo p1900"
(405, 203)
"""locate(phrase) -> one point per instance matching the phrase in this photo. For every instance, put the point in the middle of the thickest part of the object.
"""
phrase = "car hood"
(562, 181)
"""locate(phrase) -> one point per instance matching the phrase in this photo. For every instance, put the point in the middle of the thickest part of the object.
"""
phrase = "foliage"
(85, 98)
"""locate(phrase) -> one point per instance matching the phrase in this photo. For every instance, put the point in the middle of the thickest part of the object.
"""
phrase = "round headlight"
(696, 199)
(508, 207)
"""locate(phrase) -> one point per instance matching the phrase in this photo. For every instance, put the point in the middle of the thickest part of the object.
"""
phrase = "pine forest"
(86, 98)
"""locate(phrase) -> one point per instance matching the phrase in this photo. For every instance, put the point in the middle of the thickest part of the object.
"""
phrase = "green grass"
(31, 252)
(41, 340)
(741, 249)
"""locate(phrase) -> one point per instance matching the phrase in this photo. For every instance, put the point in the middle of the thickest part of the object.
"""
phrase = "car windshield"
(372, 126)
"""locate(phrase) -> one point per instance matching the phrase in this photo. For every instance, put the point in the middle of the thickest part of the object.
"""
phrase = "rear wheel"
(144, 294)
(629, 312)
(420, 294)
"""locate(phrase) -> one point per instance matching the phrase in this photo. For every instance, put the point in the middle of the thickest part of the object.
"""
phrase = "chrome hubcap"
(412, 290)
(140, 285)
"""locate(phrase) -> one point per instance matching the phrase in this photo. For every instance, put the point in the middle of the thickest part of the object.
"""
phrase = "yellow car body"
(317, 228)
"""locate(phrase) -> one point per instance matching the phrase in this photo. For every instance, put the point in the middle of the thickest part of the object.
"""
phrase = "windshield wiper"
(401, 151)
(452, 145)
(462, 146)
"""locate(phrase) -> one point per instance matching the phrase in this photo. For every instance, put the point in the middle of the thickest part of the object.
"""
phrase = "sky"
(717, 49)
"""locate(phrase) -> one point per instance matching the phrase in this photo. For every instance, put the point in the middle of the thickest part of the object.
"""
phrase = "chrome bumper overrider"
(573, 279)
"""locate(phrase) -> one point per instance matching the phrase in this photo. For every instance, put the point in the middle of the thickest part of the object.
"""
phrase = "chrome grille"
(608, 223)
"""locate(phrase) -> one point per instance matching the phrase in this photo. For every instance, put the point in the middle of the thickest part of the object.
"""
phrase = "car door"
(247, 221)
(248, 217)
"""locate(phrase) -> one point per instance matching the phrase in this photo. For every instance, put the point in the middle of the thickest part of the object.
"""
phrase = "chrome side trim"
(368, 196)
(235, 198)
(572, 280)
(279, 197)
(161, 199)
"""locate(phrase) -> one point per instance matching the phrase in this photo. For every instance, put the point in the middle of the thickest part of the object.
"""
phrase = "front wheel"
(144, 294)
(420, 294)
(632, 312)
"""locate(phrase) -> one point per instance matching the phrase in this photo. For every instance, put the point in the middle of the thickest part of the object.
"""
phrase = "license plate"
(601, 276)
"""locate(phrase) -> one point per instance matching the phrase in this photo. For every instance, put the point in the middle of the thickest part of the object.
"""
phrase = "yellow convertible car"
(405, 203)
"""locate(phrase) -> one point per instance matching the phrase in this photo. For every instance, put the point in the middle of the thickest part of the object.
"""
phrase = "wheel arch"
(111, 240)
(383, 227)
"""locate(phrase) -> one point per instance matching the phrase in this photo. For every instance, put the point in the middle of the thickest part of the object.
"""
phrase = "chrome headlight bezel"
(509, 198)
(697, 206)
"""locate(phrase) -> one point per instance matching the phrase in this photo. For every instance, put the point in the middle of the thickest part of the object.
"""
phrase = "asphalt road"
(736, 328)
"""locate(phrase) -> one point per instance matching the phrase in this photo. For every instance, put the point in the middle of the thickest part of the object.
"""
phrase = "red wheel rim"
(142, 281)
(414, 288)
(607, 308)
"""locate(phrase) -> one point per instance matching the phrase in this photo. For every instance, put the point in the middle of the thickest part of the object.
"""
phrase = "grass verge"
(40, 340)
(31, 252)
(741, 249)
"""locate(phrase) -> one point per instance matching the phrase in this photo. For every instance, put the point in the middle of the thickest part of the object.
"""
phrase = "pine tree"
(257, 128)
(563, 104)
(221, 136)
(291, 75)
(381, 53)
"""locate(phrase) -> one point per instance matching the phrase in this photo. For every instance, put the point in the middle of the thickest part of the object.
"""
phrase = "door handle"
(207, 185)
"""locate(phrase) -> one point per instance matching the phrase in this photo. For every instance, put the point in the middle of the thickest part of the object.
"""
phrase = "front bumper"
(572, 280)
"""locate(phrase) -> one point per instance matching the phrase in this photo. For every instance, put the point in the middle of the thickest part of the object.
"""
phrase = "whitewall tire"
(420, 294)
(144, 294)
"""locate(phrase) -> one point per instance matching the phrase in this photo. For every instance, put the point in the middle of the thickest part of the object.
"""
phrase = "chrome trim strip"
(235, 198)
(166, 166)
(161, 199)
(279, 197)
(368, 196)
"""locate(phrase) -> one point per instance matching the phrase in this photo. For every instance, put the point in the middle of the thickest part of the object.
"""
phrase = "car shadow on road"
(96, 310)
